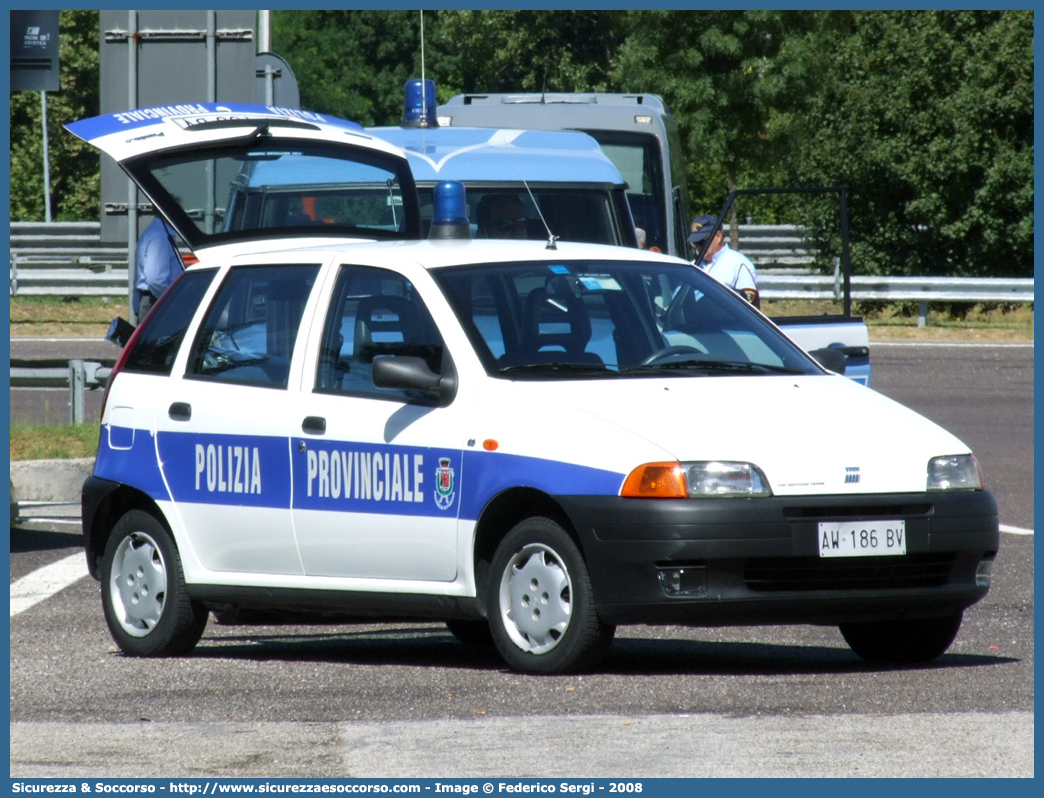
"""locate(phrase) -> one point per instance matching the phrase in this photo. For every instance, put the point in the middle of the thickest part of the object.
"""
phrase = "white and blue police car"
(532, 441)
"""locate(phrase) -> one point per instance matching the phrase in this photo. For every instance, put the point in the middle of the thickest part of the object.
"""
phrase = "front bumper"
(756, 561)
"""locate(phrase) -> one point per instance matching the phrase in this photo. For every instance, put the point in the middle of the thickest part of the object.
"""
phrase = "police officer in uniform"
(723, 263)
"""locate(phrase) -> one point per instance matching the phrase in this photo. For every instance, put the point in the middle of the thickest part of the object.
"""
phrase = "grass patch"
(86, 317)
(890, 321)
(54, 443)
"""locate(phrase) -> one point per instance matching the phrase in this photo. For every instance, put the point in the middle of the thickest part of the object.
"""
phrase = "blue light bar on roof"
(420, 104)
(450, 213)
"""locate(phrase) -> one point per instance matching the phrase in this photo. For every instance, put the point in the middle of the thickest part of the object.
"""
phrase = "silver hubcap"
(139, 584)
(535, 599)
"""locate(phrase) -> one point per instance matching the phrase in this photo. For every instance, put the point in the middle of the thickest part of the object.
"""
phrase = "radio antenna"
(551, 237)
(424, 84)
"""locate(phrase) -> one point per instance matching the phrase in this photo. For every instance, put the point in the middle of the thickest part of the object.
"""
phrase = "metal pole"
(76, 387)
(211, 57)
(46, 162)
(265, 46)
(132, 190)
(846, 253)
(209, 212)
(264, 38)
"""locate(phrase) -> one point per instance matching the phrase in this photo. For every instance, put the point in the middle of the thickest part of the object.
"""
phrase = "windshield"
(586, 215)
(291, 186)
(637, 156)
(611, 319)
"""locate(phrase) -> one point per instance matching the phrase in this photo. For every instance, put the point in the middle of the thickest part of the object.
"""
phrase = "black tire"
(540, 604)
(471, 633)
(147, 607)
(902, 641)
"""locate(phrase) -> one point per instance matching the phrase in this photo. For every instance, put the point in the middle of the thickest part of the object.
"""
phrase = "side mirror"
(830, 359)
(406, 373)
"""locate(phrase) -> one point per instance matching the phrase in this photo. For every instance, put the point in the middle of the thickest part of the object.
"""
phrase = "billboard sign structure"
(153, 58)
(34, 51)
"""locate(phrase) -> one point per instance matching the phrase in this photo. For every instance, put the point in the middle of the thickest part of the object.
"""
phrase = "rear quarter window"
(158, 342)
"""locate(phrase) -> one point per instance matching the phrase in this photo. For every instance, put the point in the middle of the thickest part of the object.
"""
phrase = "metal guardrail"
(65, 259)
(55, 259)
(898, 289)
(79, 375)
(924, 290)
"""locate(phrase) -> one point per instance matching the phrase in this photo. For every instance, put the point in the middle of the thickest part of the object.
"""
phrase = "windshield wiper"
(559, 367)
(713, 367)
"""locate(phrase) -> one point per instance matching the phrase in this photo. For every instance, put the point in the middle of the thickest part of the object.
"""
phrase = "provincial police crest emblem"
(444, 492)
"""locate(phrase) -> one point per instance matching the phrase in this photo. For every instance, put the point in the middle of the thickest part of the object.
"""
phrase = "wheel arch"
(116, 503)
(500, 515)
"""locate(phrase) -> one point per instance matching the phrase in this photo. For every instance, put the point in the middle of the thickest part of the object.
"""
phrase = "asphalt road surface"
(369, 700)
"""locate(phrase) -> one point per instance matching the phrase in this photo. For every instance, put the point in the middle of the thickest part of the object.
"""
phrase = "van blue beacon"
(562, 180)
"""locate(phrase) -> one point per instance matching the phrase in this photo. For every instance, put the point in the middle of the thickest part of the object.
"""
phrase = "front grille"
(854, 512)
(862, 573)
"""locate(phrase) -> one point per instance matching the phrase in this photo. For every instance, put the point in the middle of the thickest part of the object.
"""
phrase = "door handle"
(180, 411)
(314, 425)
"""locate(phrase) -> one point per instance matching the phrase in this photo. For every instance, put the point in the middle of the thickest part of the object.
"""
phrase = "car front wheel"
(540, 603)
(902, 641)
(147, 608)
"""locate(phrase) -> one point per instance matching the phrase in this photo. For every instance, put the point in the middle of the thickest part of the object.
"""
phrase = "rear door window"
(250, 330)
(374, 312)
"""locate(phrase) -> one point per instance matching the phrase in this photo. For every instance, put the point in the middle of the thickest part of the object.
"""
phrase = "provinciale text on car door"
(376, 472)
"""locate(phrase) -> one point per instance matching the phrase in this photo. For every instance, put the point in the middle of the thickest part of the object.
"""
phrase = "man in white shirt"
(722, 262)
(156, 265)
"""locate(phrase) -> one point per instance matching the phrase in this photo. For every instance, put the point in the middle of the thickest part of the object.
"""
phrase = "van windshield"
(282, 187)
(583, 214)
(638, 157)
(558, 320)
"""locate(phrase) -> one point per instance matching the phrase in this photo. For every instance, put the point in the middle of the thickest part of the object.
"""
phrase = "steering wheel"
(667, 353)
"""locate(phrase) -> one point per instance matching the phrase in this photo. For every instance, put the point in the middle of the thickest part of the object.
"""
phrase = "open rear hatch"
(234, 172)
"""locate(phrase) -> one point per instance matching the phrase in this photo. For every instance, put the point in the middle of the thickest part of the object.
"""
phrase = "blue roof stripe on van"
(188, 113)
(486, 154)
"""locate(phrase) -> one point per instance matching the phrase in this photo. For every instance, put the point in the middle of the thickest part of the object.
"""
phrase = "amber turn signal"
(656, 481)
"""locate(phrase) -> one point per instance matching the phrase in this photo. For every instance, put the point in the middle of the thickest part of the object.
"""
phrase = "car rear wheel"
(147, 608)
(902, 641)
(540, 603)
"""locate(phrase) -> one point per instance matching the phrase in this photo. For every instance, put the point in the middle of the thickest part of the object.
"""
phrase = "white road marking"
(45, 582)
(1015, 530)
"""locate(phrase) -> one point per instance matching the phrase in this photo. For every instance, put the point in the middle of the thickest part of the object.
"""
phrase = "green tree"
(74, 165)
(927, 117)
(556, 51)
(355, 64)
(720, 74)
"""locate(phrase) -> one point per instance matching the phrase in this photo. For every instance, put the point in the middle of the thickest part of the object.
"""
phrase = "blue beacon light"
(450, 216)
(420, 104)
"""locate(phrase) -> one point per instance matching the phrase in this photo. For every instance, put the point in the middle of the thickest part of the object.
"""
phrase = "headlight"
(703, 479)
(955, 472)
